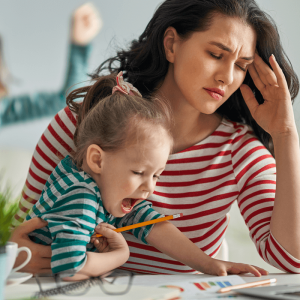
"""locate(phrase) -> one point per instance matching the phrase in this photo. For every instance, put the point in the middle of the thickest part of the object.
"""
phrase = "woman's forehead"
(230, 32)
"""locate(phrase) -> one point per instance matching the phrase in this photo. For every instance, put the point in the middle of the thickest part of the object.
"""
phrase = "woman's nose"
(225, 75)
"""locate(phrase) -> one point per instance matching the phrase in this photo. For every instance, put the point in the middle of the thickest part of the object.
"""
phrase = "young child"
(123, 142)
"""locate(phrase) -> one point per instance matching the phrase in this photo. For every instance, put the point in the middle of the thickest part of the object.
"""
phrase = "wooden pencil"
(247, 285)
(126, 228)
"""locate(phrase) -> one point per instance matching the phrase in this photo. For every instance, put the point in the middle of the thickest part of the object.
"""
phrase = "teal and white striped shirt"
(71, 204)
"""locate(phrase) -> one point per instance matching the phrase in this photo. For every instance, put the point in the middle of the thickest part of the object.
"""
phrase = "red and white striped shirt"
(201, 182)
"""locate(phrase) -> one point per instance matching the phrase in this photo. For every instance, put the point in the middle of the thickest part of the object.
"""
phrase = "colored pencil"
(126, 228)
(247, 285)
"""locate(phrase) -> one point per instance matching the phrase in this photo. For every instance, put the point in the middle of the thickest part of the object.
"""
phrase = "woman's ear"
(94, 158)
(170, 38)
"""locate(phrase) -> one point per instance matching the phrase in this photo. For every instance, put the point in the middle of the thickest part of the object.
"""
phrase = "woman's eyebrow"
(223, 47)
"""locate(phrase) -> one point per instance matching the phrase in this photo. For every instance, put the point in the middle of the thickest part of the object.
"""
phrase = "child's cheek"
(129, 187)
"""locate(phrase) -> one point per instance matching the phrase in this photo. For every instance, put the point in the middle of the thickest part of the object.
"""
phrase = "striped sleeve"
(71, 222)
(55, 144)
(255, 172)
(141, 213)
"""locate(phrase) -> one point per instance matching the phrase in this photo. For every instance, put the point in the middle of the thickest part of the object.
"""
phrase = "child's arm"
(100, 263)
(168, 239)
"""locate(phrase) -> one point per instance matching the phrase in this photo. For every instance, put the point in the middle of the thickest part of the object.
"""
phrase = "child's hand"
(100, 243)
(222, 268)
(110, 241)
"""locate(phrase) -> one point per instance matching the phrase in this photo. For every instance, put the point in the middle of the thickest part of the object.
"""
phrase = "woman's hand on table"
(41, 255)
(275, 115)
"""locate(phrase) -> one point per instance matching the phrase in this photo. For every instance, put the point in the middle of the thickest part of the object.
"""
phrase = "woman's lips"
(215, 93)
(128, 204)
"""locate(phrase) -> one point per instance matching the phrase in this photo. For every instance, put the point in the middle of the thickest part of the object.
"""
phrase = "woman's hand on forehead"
(275, 115)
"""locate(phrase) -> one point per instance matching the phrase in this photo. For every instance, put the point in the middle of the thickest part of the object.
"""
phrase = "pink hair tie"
(125, 87)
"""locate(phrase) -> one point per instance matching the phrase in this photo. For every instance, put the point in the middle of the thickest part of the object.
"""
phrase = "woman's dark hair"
(145, 66)
(113, 121)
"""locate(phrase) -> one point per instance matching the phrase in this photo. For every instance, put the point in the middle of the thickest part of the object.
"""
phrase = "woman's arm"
(285, 221)
(276, 117)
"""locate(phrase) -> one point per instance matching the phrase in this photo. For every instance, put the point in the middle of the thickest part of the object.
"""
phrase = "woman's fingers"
(41, 255)
(255, 77)
(38, 263)
(43, 250)
(249, 98)
(262, 77)
(29, 226)
(278, 72)
(265, 73)
(20, 236)
(41, 266)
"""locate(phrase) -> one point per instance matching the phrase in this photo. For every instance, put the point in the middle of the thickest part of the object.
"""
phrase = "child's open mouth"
(128, 204)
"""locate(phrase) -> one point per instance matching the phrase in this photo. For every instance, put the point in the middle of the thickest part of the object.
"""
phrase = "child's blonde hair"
(112, 121)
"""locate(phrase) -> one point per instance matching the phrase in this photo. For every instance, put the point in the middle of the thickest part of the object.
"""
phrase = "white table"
(148, 280)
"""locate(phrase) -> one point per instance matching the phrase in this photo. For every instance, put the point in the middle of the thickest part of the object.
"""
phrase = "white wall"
(35, 35)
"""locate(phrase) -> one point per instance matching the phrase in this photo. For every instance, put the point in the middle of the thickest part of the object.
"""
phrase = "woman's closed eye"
(215, 56)
(244, 69)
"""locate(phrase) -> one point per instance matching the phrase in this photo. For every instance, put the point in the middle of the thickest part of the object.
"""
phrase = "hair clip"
(125, 87)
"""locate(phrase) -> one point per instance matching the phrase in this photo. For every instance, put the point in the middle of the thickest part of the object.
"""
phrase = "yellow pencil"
(145, 223)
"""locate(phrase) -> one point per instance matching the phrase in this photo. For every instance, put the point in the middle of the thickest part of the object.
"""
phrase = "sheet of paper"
(191, 286)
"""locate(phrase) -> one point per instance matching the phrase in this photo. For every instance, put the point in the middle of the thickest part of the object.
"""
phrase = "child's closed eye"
(138, 172)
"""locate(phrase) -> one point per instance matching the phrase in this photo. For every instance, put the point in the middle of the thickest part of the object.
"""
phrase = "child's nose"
(148, 186)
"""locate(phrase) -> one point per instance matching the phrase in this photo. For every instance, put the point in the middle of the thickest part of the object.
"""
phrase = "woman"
(85, 26)
(213, 62)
